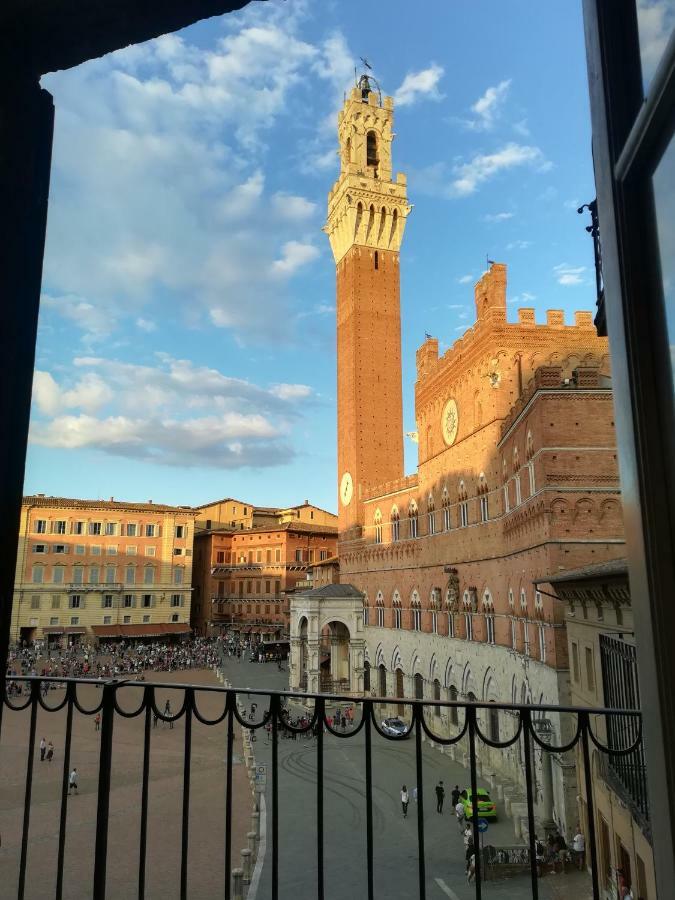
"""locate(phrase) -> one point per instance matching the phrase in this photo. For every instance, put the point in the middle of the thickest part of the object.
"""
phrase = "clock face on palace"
(346, 489)
(450, 421)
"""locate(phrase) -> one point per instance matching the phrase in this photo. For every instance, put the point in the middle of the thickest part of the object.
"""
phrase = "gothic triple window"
(395, 525)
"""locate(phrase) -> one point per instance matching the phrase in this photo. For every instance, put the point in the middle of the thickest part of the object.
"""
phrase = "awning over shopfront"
(161, 629)
(75, 629)
(53, 629)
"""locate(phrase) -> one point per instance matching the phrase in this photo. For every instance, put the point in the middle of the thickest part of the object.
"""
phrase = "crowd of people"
(123, 659)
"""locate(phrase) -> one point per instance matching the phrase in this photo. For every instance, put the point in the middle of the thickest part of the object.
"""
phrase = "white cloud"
(295, 209)
(498, 217)
(228, 441)
(174, 413)
(518, 245)
(469, 176)
(521, 128)
(90, 393)
(96, 322)
(294, 255)
(569, 275)
(158, 183)
(465, 279)
(656, 19)
(487, 107)
(525, 297)
(420, 84)
(146, 325)
(572, 204)
(291, 391)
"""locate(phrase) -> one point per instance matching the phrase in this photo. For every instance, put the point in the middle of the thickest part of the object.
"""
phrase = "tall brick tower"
(367, 211)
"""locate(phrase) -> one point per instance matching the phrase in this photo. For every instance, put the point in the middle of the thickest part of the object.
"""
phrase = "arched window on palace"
(434, 604)
(413, 519)
(416, 607)
(431, 514)
(516, 476)
(542, 643)
(489, 610)
(483, 501)
(378, 526)
(463, 506)
(379, 605)
(529, 452)
(447, 522)
(451, 613)
(397, 611)
(365, 612)
(395, 524)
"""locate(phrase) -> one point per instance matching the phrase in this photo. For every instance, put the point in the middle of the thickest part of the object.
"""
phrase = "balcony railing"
(270, 712)
(100, 587)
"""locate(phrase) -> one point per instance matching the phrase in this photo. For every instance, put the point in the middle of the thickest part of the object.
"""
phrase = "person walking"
(43, 749)
(468, 835)
(50, 752)
(167, 712)
(579, 849)
(72, 781)
(455, 795)
(470, 865)
(440, 797)
(97, 722)
(405, 800)
(459, 812)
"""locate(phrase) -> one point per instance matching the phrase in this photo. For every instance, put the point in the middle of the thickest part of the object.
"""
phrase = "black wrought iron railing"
(627, 771)
(269, 716)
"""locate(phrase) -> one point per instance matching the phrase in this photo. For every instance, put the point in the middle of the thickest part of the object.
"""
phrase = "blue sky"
(187, 336)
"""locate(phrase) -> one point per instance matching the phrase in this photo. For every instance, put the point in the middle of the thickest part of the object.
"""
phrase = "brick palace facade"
(517, 472)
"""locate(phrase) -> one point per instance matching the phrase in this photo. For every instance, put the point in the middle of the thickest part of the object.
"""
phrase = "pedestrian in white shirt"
(405, 800)
(579, 849)
(459, 812)
(72, 781)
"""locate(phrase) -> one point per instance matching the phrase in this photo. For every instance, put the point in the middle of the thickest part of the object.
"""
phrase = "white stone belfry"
(327, 640)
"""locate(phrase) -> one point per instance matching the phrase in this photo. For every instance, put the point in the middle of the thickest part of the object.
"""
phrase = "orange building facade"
(517, 473)
(90, 569)
(243, 578)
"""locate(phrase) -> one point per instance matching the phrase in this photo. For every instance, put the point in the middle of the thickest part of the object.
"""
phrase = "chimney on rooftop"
(112, 499)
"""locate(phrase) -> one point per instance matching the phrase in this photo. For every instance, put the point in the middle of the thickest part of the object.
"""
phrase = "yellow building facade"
(92, 569)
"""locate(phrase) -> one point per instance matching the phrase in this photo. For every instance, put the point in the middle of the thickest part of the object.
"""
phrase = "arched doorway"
(437, 696)
(382, 680)
(398, 675)
(334, 658)
(366, 676)
(419, 687)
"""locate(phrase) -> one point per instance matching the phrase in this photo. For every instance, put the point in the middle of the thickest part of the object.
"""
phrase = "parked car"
(395, 728)
(487, 809)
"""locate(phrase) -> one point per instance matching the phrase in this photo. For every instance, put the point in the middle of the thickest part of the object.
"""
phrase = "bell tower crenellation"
(366, 206)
